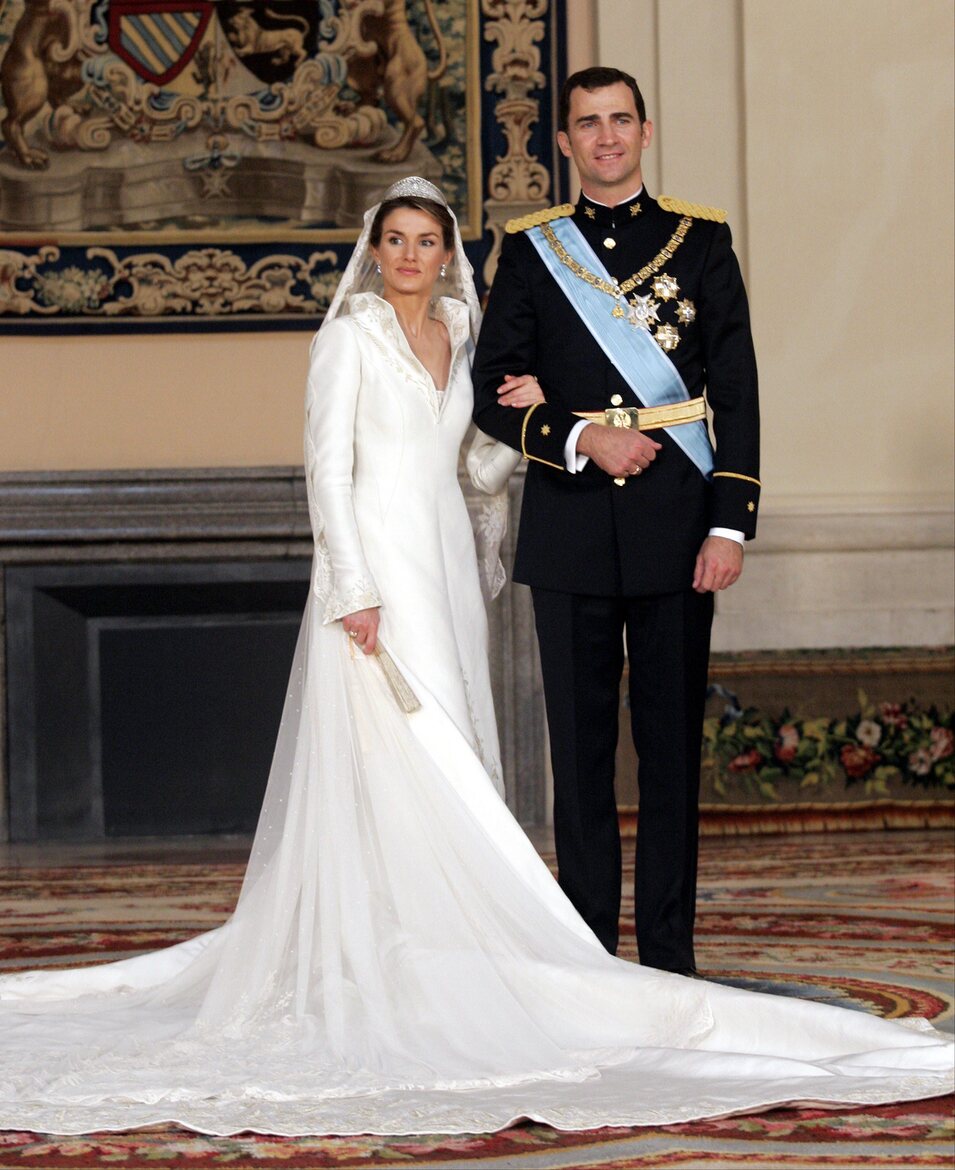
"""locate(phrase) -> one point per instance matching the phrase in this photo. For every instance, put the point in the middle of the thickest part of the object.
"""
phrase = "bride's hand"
(362, 628)
(522, 391)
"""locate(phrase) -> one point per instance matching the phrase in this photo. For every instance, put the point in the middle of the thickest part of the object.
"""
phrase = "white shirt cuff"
(729, 533)
(572, 460)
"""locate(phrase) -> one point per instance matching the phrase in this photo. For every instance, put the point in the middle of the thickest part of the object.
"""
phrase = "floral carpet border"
(741, 820)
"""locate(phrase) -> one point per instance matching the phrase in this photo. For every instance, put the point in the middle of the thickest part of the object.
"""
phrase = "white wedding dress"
(400, 960)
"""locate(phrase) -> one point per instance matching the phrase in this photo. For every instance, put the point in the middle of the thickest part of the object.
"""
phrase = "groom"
(625, 307)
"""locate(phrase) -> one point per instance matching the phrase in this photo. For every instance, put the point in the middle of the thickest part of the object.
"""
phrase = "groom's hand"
(619, 451)
(718, 564)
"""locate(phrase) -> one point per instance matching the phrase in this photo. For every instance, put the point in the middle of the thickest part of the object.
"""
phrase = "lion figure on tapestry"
(248, 38)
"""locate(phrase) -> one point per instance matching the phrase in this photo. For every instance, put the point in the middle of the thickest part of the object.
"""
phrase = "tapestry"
(208, 162)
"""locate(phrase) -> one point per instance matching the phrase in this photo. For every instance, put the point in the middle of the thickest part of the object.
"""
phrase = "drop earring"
(444, 271)
(378, 269)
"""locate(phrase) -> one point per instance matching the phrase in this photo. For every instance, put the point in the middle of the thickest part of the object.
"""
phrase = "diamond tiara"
(415, 185)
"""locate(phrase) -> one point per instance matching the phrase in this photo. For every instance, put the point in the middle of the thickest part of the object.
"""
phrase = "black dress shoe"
(689, 972)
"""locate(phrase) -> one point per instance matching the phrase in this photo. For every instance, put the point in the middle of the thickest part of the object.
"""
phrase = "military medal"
(640, 312)
(643, 310)
(666, 287)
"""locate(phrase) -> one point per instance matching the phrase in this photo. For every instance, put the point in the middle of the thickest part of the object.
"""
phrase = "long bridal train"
(401, 961)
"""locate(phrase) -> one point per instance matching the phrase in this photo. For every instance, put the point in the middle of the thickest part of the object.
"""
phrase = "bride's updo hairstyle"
(438, 212)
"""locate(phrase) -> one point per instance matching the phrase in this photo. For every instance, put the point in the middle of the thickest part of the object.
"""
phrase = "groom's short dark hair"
(597, 77)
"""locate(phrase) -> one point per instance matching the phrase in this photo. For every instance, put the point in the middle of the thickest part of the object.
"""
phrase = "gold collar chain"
(613, 288)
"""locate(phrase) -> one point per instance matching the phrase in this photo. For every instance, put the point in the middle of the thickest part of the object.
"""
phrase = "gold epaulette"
(695, 210)
(536, 218)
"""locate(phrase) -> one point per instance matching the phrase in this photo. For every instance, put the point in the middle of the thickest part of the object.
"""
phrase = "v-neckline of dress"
(453, 315)
(438, 390)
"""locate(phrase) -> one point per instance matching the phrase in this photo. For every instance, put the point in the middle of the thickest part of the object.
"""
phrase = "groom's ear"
(563, 141)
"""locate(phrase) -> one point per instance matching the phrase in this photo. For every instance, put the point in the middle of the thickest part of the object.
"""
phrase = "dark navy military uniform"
(604, 557)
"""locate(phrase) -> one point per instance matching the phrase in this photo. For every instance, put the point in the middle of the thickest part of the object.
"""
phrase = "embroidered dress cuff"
(361, 594)
(572, 457)
(490, 464)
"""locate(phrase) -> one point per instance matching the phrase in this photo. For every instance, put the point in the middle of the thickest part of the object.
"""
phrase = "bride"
(400, 960)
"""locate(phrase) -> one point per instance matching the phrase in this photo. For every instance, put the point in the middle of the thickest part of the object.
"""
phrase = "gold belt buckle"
(623, 416)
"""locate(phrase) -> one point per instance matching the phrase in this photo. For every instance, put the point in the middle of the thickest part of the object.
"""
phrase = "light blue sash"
(647, 370)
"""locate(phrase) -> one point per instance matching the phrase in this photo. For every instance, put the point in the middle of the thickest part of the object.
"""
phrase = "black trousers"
(581, 647)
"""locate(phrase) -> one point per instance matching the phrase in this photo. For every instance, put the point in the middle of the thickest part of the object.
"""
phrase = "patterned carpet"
(860, 919)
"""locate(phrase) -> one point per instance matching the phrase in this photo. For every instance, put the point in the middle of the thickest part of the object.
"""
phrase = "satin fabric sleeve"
(490, 463)
(331, 408)
(731, 387)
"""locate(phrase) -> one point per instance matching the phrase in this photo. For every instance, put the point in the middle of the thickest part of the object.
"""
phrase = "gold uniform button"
(610, 242)
(616, 400)
(620, 480)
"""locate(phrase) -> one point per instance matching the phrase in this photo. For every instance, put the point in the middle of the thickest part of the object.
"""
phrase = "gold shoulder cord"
(696, 210)
(523, 223)
(605, 286)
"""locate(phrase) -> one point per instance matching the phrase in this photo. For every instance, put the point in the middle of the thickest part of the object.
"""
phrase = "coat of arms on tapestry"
(190, 159)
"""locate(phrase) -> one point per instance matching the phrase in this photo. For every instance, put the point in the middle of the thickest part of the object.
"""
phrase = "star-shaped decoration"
(665, 287)
(751, 507)
(667, 337)
(635, 209)
(685, 312)
(545, 430)
(590, 213)
(643, 310)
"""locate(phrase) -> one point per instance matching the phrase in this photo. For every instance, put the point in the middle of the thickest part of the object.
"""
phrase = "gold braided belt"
(647, 418)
